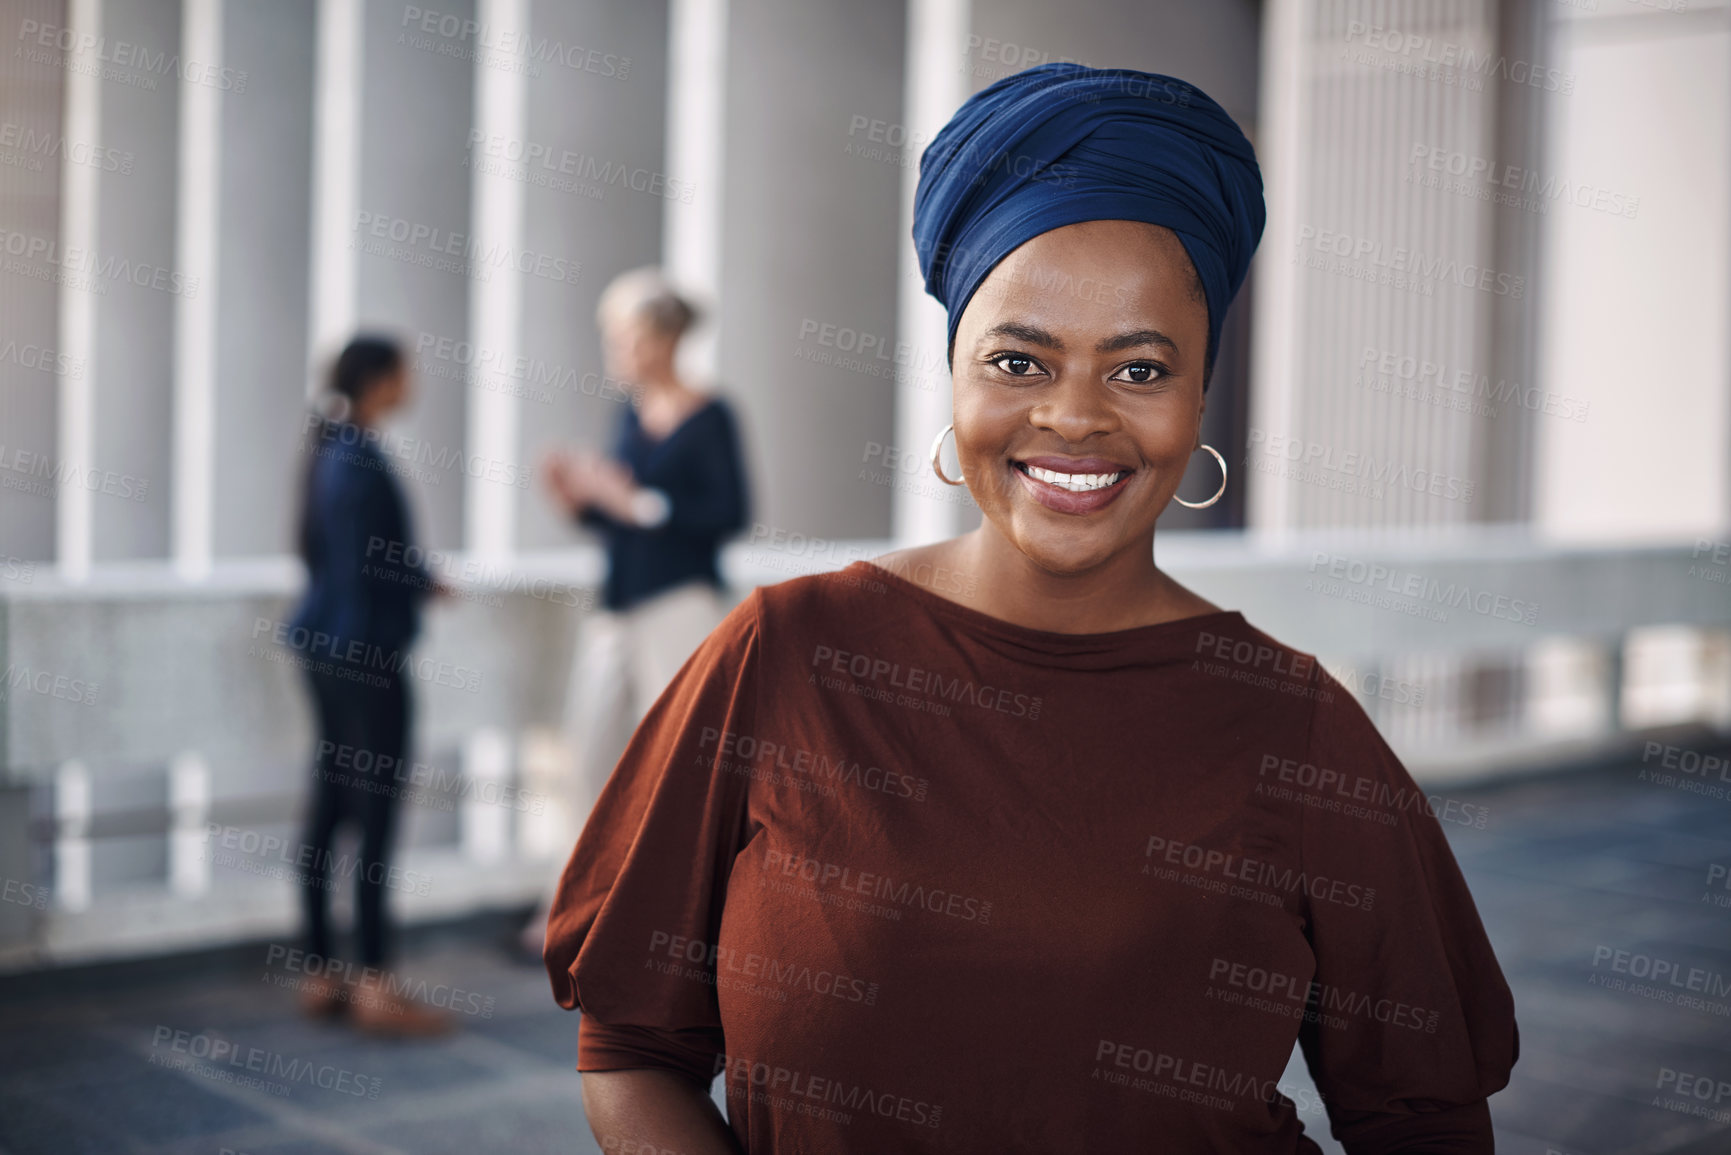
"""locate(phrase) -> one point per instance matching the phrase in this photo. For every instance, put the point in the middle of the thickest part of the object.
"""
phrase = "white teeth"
(1074, 482)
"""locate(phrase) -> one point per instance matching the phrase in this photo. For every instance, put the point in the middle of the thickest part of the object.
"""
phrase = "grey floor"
(1567, 868)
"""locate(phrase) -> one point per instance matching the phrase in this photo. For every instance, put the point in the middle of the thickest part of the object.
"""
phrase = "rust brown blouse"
(909, 877)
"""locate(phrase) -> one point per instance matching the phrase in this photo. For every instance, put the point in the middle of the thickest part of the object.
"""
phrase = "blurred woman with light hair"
(671, 491)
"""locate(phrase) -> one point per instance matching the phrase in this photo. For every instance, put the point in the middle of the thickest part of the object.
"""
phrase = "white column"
(496, 303)
(1274, 330)
(198, 203)
(76, 430)
(189, 808)
(483, 825)
(546, 830)
(336, 181)
(935, 86)
(72, 865)
(696, 101)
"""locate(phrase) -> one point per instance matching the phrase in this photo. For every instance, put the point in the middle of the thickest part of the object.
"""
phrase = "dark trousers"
(358, 769)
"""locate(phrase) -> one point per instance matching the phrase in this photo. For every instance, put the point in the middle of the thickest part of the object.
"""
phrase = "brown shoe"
(321, 999)
(377, 1012)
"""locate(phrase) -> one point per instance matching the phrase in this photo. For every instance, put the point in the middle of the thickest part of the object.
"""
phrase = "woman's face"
(635, 351)
(385, 395)
(1078, 389)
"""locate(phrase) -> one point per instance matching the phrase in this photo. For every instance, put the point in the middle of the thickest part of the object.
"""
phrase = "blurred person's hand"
(556, 476)
(605, 484)
(566, 478)
(583, 479)
(594, 480)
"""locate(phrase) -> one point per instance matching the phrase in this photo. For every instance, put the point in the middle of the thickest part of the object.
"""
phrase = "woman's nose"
(1074, 407)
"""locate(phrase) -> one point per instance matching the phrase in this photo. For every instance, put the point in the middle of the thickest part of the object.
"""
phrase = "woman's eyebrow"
(1032, 334)
(1132, 340)
(1035, 335)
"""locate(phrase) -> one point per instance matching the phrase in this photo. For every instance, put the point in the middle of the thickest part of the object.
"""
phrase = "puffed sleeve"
(649, 872)
(1413, 1025)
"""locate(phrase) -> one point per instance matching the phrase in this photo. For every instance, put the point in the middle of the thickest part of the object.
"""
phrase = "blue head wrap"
(1060, 144)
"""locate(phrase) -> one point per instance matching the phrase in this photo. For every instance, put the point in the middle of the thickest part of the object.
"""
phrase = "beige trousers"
(623, 661)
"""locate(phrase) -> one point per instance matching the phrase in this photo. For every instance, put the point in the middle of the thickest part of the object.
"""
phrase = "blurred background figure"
(361, 612)
(672, 491)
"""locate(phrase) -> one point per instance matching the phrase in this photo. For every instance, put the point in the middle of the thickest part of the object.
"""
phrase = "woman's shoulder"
(786, 616)
(832, 596)
(1340, 728)
(818, 609)
(1229, 650)
(1230, 639)
(345, 466)
(715, 407)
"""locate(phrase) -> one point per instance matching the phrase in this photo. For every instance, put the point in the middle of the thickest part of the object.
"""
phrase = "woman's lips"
(1076, 487)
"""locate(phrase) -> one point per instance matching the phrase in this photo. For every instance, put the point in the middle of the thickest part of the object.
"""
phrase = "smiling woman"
(1120, 893)
(1075, 417)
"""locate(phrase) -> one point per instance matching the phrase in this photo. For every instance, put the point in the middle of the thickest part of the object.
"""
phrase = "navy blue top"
(367, 579)
(698, 467)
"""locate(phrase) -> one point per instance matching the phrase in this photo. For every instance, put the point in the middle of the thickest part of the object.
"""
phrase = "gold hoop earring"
(1217, 492)
(937, 456)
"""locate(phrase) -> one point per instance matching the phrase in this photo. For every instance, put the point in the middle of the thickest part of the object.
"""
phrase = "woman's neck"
(1123, 592)
(664, 403)
(665, 384)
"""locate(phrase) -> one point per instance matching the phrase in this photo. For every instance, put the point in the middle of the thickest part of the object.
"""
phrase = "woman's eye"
(1015, 364)
(1141, 373)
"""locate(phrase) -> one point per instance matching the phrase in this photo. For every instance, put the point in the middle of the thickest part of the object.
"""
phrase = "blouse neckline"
(685, 422)
(1051, 641)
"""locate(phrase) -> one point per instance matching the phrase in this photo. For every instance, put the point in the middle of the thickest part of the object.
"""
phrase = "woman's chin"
(1064, 554)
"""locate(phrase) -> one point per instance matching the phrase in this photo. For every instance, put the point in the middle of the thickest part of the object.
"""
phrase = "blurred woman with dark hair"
(360, 613)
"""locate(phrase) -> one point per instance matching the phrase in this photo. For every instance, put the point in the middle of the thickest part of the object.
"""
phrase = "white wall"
(1637, 313)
